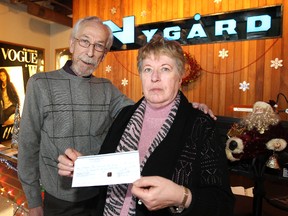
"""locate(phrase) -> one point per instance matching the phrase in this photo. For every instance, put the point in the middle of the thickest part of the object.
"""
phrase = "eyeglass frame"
(88, 44)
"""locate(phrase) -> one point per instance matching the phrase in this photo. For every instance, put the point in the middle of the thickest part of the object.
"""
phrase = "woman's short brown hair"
(157, 46)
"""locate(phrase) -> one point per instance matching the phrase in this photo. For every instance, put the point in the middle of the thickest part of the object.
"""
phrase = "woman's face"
(3, 77)
(160, 80)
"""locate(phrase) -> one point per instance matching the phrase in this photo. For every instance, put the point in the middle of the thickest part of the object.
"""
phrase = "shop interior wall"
(219, 83)
(18, 27)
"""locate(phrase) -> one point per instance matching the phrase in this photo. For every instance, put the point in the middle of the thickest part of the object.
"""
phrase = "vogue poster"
(17, 64)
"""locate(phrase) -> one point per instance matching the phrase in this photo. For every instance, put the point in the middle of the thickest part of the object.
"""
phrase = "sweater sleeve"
(211, 193)
(29, 145)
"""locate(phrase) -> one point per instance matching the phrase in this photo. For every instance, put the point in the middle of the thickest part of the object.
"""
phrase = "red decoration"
(10, 186)
(192, 69)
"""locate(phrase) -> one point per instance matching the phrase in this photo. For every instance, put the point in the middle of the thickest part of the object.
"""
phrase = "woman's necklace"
(4, 85)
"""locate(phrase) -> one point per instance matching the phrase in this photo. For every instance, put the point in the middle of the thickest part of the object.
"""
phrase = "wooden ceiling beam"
(48, 14)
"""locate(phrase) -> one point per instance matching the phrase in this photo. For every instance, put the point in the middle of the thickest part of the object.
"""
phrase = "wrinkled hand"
(157, 192)
(66, 162)
(38, 211)
(204, 108)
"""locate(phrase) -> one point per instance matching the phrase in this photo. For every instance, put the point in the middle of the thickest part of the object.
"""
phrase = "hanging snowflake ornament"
(108, 69)
(276, 63)
(223, 53)
(217, 1)
(124, 82)
(143, 13)
(244, 86)
(113, 10)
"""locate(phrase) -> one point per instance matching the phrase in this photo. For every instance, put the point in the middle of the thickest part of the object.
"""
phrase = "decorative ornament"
(262, 133)
(108, 69)
(124, 82)
(143, 13)
(272, 162)
(276, 63)
(244, 86)
(113, 10)
(275, 145)
(217, 1)
(192, 69)
(223, 53)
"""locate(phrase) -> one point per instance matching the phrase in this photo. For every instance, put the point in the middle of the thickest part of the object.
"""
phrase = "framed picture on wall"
(17, 64)
(61, 56)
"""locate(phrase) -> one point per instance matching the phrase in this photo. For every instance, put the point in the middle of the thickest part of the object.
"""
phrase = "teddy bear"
(259, 133)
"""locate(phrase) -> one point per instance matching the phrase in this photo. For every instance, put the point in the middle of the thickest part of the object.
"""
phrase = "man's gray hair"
(95, 19)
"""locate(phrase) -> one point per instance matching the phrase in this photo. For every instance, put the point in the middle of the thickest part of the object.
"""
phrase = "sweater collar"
(67, 68)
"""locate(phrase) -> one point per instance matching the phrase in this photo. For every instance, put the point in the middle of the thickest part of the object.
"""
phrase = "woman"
(183, 166)
(9, 97)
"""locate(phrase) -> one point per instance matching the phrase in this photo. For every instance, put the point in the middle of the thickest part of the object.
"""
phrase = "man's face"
(86, 60)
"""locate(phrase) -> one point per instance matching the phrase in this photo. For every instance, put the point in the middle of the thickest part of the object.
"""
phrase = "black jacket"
(193, 151)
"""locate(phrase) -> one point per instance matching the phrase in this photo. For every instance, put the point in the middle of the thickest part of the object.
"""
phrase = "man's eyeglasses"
(85, 43)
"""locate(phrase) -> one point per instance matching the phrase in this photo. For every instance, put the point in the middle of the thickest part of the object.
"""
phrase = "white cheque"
(106, 169)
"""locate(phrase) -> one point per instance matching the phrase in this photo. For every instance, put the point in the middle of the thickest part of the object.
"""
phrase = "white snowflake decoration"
(113, 10)
(244, 86)
(124, 82)
(217, 1)
(223, 53)
(108, 69)
(276, 63)
(143, 13)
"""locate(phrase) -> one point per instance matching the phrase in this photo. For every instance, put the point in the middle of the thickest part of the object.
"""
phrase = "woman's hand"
(157, 192)
(66, 162)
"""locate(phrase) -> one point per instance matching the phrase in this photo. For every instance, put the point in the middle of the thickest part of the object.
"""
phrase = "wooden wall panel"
(284, 53)
(219, 83)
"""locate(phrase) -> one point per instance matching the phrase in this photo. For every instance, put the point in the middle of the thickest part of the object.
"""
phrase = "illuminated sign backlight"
(240, 25)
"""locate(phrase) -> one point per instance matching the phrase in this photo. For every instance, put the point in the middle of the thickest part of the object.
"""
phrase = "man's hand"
(204, 108)
(66, 162)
